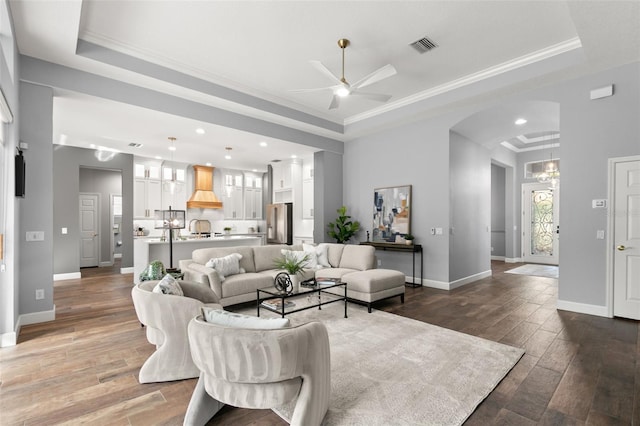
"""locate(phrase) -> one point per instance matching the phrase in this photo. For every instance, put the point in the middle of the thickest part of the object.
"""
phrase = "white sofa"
(348, 262)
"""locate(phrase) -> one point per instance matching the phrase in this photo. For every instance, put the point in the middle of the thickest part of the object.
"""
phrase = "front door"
(626, 239)
(89, 238)
(540, 226)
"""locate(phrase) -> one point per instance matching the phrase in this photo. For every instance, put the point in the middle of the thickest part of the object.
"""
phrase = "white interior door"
(540, 226)
(89, 236)
(626, 239)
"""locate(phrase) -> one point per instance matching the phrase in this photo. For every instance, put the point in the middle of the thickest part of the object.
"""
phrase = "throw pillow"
(227, 265)
(231, 319)
(168, 285)
(323, 255)
(310, 250)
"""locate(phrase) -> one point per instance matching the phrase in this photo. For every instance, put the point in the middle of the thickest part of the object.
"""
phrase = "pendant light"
(171, 185)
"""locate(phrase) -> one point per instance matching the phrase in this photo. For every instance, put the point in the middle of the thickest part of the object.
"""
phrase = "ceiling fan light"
(343, 91)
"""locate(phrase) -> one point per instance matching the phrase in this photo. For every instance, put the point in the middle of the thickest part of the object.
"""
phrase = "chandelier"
(551, 173)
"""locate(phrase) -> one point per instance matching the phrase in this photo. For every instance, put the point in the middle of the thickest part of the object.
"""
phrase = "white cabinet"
(174, 188)
(307, 170)
(307, 199)
(147, 197)
(232, 202)
(147, 188)
(281, 175)
(253, 196)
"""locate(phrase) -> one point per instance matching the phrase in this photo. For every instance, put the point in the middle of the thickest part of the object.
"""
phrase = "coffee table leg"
(258, 302)
(345, 301)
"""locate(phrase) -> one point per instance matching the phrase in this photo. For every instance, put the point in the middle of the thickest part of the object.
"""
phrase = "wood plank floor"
(82, 367)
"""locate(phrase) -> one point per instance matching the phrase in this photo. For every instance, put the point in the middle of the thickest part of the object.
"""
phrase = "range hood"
(203, 196)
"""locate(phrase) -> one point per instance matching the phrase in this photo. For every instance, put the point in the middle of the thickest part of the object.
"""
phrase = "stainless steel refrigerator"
(280, 223)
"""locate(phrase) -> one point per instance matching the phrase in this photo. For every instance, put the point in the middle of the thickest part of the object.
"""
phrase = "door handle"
(621, 248)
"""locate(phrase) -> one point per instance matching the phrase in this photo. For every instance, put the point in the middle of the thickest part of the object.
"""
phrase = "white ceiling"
(262, 50)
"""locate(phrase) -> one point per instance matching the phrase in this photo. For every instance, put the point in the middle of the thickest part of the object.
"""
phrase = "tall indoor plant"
(343, 228)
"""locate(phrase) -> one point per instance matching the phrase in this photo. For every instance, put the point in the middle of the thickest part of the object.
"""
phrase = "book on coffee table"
(277, 304)
(328, 281)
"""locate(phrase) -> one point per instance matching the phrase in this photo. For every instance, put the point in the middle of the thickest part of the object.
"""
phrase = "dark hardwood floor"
(82, 367)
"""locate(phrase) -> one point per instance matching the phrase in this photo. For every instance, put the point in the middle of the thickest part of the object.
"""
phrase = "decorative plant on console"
(408, 238)
(343, 229)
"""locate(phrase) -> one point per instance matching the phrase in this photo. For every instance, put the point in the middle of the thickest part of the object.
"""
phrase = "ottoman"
(372, 285)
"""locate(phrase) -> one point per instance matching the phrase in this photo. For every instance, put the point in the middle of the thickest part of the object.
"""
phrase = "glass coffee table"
(306, 297)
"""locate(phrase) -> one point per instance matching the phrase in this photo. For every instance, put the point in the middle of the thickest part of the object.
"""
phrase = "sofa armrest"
(210, 275)
(184, 263)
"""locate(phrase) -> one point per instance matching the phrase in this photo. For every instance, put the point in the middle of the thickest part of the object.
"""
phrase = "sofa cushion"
(245, 284)
(264, 256)
(168, 285)
(318, 255)
(333, 272)
(374, 280)
(358, 257)
(226, 265)
(201, 256)
(198, 291)
(334, 254)
(231, 319)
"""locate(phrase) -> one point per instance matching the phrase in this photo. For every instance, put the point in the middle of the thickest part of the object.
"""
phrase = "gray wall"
(592, 132)
(498, 211)
(105, 183)
(36, 262)
(416, 154)
(470, 204)
(327, 192)
(9, 205)
(67, 162)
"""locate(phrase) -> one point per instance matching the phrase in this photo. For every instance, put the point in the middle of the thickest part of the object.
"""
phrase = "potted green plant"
(294, 265)
(343, 228)
(408, 239)
(227, 230)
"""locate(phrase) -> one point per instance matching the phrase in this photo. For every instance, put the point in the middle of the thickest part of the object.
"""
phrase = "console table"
(413, 248)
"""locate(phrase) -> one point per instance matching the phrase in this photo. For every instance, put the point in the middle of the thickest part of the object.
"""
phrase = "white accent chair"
(166, 318)
(255, 368)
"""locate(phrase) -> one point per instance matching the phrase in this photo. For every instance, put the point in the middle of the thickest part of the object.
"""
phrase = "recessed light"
(520, 121)
(92, 145)
(294, 156)
(227, 157)
(208, 164)
(158, 157)
(263, 144)
(200, 131)
(172, 148)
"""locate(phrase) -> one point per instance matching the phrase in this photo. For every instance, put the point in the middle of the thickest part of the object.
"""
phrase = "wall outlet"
(35, 236)
(39, 294)
(379, 262)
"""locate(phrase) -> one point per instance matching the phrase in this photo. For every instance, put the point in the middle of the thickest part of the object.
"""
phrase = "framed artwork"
(391, 213)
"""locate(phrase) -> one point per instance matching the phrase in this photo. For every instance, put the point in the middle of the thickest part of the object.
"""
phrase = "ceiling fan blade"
(379, 74)
(317, 89)
(373, 96)
(324, 70)
(335, 102)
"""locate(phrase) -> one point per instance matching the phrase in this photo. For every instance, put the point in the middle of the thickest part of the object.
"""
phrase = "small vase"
(295, 282)
(408, 242)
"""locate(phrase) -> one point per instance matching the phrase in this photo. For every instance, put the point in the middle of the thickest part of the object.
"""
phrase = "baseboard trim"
(8, 339)
(126, 270)
(501, 258)
(469, 279)
(37, 317)
(67, 276)
(512, 260)
(117, 255)
(583, 308)
(106, 264)
(442, 285)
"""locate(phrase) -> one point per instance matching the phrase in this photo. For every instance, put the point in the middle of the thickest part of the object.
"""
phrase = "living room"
(414, 144)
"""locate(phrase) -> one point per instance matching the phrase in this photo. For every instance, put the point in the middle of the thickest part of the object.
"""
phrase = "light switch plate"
(35, 236)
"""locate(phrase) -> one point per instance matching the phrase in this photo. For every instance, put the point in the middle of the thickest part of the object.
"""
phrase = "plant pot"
(295, 282)
(408, 242)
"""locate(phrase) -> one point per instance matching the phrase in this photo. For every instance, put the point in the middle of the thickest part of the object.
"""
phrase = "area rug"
(549, 271)
(391, 370)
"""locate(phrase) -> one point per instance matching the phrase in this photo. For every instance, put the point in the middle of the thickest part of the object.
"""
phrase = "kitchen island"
(146, 250)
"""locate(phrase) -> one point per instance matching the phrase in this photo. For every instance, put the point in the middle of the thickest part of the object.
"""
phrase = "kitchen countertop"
(204, 240)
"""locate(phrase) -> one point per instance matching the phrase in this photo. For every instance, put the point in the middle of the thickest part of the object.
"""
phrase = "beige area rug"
(549, 271)
(391, 370)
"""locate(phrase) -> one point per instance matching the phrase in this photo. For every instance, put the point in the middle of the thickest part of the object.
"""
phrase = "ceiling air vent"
(423, 45)
(135, 145)
(275, 161)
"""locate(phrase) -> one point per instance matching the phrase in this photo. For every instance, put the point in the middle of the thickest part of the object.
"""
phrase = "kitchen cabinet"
(307, 199)
(281, 175)
(147, 197)
(253, 205)
(174, 176)
(232, 201)
(146, 169)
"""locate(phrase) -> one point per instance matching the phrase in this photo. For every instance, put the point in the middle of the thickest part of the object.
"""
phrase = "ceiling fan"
(343, 89)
